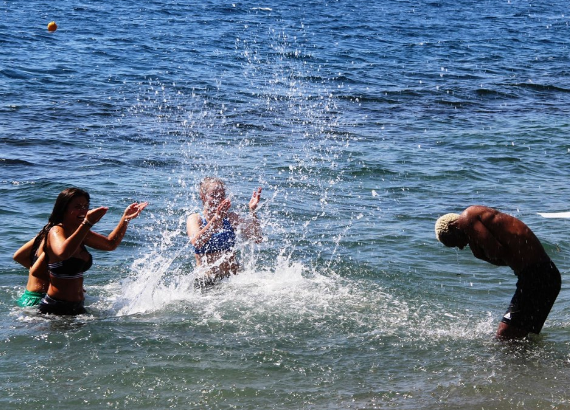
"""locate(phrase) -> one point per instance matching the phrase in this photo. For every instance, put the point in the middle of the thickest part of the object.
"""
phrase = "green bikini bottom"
(30, 298)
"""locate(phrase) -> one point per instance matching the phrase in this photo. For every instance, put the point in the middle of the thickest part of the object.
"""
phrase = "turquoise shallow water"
(363, 123)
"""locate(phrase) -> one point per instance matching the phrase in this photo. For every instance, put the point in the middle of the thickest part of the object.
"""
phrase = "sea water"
(363, 122)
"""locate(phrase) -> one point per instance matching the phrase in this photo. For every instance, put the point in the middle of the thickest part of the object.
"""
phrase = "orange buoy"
(52, 26)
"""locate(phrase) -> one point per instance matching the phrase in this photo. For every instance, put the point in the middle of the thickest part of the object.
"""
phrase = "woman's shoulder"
(234, 218)
(195, 218)
(56, 230)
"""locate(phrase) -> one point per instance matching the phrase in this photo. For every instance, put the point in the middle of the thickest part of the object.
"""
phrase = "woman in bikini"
(32, 257)
(213, 232)
(63, 243)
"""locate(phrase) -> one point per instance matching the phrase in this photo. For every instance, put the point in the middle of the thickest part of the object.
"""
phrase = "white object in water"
(555, 215)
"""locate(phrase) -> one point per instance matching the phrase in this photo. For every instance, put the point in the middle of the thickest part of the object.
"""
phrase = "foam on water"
(283, 292)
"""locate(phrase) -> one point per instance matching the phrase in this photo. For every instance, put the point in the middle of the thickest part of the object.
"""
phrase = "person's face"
(455, 239)
(214, 195)
(462, 241)
(76, 210)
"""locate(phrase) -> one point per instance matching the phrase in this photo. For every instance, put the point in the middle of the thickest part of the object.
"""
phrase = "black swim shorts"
(537, 289)
(61, 307)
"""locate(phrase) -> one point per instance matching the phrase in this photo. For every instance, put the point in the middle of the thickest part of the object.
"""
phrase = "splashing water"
(299, 198)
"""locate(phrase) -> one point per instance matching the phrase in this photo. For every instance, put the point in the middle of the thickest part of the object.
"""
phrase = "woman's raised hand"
(254, 201)
(223, 208)
(134, 210)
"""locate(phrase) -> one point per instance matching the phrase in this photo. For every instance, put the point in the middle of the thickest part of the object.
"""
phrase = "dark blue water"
(363, 122)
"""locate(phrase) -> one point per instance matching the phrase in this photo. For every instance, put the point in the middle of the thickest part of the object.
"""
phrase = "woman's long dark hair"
(56, 217)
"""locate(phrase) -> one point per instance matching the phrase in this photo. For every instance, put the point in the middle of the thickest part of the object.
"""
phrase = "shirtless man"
(503, 240)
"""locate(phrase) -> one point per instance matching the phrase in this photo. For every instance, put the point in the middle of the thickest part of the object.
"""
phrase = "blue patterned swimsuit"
(221, 241)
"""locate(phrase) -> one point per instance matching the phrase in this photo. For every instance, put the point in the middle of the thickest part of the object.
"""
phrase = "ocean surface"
(363, 122)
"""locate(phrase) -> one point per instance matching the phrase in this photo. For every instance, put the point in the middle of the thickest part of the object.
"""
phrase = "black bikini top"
(72, 268)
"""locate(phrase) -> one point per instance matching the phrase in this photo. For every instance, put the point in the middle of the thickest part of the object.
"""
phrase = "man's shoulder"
(475, 212)
(479, 209)
(480, 214)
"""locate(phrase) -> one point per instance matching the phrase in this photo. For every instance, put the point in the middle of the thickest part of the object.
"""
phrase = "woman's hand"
(254, 201)
(94, 215)
(113, 240)
(223, 208)
(134, 210)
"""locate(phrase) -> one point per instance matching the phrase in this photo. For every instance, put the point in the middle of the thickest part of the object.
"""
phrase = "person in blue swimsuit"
(64, 240)
(213, 232)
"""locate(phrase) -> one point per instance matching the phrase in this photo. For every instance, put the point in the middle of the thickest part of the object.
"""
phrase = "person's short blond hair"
(209, 182)
(442, 225)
